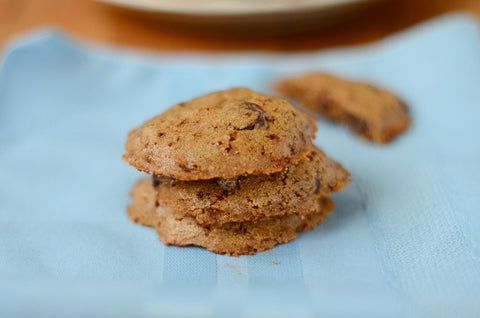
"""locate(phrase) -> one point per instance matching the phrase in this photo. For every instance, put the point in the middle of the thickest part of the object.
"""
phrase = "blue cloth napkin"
(403, 240)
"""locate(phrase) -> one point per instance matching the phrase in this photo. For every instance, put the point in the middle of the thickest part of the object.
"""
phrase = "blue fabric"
(403, 240)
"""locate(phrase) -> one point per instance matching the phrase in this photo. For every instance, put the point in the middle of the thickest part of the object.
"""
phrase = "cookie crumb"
(276, 262)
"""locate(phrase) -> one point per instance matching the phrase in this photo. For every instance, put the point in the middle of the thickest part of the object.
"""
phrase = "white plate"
(230, 7)
(278, 13)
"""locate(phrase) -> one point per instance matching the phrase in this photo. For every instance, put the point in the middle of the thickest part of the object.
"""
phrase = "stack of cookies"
(233, 171)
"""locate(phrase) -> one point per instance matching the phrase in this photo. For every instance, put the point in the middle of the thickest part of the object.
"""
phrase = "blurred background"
(225, 25)
(402, 242)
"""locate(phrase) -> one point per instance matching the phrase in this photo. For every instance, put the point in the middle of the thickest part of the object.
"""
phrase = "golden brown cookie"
(372, 112)
(230, 238)
(250, 198)
(222, 135)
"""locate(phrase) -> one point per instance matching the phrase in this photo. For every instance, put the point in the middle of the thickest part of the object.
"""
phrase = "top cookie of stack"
(222, 135)
(234, 171)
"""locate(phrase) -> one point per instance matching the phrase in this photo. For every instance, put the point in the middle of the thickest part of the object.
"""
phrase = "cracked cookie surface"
(235, 238)
(371, 112)
(295, 190)
(222, 135)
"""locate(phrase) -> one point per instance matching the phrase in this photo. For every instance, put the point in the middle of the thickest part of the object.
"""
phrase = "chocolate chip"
(222, 195)
(241, 229)
(292, 149)
(323, 102)
(207, 229)
(259, 121)
(184, 167)
(317, 186)
(356, 123)
(231, 137)
(155, 180)
(302, 137)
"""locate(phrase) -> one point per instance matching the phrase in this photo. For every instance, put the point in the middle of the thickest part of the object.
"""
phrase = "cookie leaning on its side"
(373, 113)
(233, 171)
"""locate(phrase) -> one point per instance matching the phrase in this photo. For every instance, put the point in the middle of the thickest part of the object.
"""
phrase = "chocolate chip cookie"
(234, 238)
(224, 135)
(295, 190)
(372, 112)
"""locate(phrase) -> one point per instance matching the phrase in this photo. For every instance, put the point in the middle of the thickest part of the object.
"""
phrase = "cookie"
(251, 198)
(373, 113)
(222, 135)
(231, 238)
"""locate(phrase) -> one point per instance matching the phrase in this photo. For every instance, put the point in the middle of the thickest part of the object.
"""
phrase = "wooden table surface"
(101, 23)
